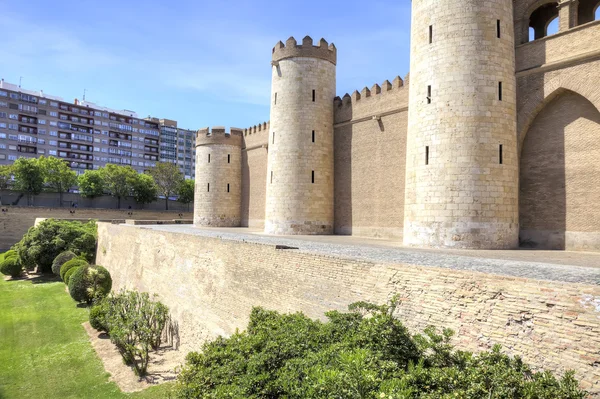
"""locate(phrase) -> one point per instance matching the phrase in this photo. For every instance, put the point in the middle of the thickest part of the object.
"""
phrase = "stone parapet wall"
(211, 284)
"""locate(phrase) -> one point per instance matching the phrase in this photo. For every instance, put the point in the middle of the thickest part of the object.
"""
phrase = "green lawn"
(44, 350)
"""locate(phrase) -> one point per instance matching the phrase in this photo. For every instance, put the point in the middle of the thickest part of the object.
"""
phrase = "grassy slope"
(44, 350)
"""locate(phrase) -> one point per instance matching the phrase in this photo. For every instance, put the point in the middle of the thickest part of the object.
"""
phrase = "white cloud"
(34, 44)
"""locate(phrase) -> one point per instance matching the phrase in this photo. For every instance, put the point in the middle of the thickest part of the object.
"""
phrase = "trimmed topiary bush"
(69, 273)
(98, 317)
(89, 284)
(44, 242)
(76, 262)
(11, 266)
(60, 260)
(9, 253)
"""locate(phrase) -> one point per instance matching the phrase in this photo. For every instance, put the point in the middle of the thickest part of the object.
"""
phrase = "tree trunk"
(119, 202)
(60, 198)
(166, 202)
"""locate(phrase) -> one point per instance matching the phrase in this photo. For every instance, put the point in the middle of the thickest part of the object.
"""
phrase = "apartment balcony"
(26, 129)
(27, 149)
(120, 136)
(81, 165)
(28, 120)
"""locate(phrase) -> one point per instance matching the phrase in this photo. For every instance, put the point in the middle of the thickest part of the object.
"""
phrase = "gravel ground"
(553, 267)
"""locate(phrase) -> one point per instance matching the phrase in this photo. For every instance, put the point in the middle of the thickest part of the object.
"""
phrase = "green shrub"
(60, 260)
(135, 324)
(98, 314)
(70, 273)
(89, 283)
(11, 266)
(10, 253)
(44, 242)
(366, 353)
(75, 262)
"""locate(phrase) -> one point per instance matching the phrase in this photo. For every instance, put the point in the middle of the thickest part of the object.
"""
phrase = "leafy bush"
(135, 324)
(89, 283)
(75, 262)
(366, 353)
(44, 242)
(9, 253)
(11, 266)
(60, 260)
(70, 273)
(98, 315)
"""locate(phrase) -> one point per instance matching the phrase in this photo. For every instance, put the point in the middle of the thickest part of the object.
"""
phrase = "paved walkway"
(580, 267)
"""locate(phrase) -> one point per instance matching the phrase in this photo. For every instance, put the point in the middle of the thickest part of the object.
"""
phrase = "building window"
(500, 154)
(271, 176)
(228, 158)
(275, 101)
(313, 177)
(498, 29)
(314, 95)
(208, 158)
(428, 94)
(430, 34)
(273, 140)
(227, 187)
(499, 91)
(426, 155)
(313, 136)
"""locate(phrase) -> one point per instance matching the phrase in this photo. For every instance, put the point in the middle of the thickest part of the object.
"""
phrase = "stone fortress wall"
(462, 167)
(15, 221)
(299, 197)
(210, 284)
(218, 190)
(557, 128)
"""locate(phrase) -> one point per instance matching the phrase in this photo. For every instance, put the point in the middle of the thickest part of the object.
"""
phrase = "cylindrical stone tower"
(461, 161)
(217, 199)
(299, 196)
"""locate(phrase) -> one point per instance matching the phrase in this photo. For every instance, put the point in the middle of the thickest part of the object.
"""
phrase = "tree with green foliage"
(119, 180)
(58, 176)
(29, 177)
(366, 353)
(6, 173)
(91, 184)
(44, 242)
(186, 192)
(144, 189)
(168, 178)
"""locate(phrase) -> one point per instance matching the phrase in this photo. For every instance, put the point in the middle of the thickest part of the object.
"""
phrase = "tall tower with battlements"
(461, 161)
(217, 199)
(299, 196)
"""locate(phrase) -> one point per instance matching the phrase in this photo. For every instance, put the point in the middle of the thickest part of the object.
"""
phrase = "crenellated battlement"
(374, 92)
(291, 48)
(219, 135)
(261, 127)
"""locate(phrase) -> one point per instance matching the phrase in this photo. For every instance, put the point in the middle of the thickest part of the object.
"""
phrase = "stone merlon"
(291, 49)
(219, 135)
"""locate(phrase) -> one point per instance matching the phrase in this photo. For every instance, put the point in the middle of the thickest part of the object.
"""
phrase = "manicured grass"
(44, 350)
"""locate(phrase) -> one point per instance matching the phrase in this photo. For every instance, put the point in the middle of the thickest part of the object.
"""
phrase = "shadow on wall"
(342, 167)
(246, 182)
(558, 181)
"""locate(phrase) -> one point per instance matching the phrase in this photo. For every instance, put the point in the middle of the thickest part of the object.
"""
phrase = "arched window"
(544, 21)
(588, 11)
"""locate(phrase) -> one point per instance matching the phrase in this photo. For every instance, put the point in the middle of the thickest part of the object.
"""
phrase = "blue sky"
(198, 62)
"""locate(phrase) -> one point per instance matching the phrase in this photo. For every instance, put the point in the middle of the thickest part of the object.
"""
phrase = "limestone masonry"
(494, 142)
